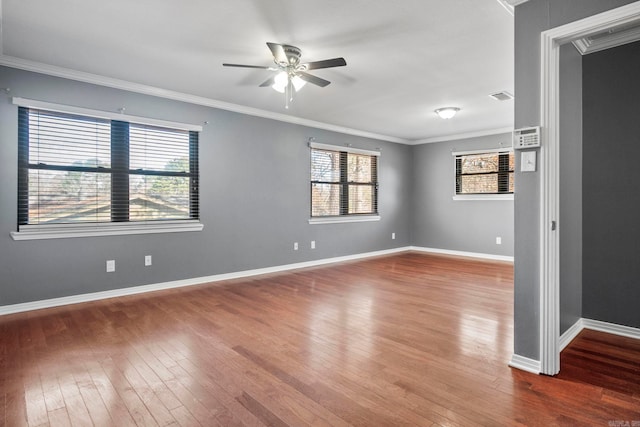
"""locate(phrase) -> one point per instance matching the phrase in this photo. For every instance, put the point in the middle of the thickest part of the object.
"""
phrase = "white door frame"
(551, 41)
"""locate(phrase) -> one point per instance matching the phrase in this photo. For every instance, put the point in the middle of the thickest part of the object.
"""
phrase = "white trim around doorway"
(551, 41)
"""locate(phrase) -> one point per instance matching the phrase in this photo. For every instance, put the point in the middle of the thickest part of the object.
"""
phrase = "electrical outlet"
(147, 260)
(393, 236)
(498, 240)
(111, 265)
(295, 246)
(313, 244)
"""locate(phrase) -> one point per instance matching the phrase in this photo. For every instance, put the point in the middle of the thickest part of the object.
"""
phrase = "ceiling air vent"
(501, 96)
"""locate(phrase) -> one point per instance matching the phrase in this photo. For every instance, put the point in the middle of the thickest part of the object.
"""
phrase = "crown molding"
(515, 3)
(466, 135)
(511, 4)
(51, 70)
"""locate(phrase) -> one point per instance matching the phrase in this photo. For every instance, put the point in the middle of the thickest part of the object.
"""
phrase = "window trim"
(483, 197)
(56, 230)
(345, 149)
(336, 219)
(344, 218)
(61, 231)
(508, 196)
(98, 114)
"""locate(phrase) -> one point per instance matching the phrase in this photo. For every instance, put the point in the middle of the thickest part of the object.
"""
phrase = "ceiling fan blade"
(262, 67)
(269, 82)
(327, 63)
(313, 79)
(278, 52)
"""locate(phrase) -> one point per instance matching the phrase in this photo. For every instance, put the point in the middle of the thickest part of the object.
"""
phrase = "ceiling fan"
(292, 75)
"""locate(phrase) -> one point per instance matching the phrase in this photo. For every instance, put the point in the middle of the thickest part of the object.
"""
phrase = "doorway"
(552, 42)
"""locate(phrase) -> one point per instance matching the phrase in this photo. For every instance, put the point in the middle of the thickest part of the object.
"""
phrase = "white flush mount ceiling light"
(447, 112)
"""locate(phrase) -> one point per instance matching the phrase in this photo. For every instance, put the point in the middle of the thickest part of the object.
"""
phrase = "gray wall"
(532, 18)
(611, 288)
(254, 201)
(461, 225)
(570, 186)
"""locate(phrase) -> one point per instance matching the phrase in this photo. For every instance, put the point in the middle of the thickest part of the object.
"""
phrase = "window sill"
(483, 197)
(64, 231)
(341, 219)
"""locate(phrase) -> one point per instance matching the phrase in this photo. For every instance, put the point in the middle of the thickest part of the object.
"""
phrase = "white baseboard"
(533, 366)
(76, 299)
(597, 325)
(525, 364)
(570, 334)
(462, 253)
(611, 328)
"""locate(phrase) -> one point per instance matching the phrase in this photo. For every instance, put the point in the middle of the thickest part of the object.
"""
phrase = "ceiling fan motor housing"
(293, 55)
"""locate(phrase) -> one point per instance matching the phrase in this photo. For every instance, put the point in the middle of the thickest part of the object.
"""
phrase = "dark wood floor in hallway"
(409, 339)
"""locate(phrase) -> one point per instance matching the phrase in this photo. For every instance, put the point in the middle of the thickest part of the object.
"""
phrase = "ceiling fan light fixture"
(280, 81)
(298, 83)
(447, 112)
(291, 75)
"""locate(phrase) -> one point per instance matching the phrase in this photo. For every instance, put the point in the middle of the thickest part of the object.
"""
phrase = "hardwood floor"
(409, 339)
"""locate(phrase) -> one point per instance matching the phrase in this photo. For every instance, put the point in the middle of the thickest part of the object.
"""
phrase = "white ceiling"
(404, 58)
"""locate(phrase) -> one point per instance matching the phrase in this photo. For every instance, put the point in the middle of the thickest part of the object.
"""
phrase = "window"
(344, 182)
(76, 169)
(484, 173)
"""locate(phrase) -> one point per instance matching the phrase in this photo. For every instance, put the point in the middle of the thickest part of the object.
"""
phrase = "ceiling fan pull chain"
(291, 91)
(287, 94)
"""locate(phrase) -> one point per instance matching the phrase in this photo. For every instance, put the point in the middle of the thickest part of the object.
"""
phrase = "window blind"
(485, 173)
(343, 183)
(80, 169)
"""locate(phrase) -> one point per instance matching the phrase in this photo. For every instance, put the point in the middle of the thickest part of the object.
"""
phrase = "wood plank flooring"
(405, 340)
